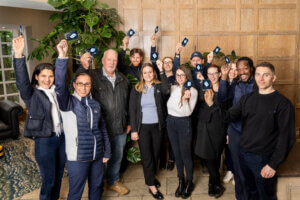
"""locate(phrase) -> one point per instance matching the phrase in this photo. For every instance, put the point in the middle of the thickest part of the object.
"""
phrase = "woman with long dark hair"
(147, 120)
(180, 107)
(43, 123)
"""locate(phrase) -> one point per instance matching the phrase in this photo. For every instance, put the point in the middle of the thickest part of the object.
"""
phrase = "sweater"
(268, 122)
(187, 107)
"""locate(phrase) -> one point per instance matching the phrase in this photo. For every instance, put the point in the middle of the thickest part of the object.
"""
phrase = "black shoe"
(219, 190)
(188, 190)
(180, 188)
(157, 195)
(211, 191)
(157, 183)
(170, 165)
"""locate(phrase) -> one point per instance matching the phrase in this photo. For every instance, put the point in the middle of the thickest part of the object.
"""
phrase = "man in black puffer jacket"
(111, 89)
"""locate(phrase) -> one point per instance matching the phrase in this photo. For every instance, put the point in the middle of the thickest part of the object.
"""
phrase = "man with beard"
(240, 86)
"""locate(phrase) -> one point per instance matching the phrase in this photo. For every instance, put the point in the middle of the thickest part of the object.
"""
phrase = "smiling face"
(82, 85)
(196, 60)
(148, 74)
(110, 61)
(264, 77)
(136, 59)
(45, 78)
(213, 75)
(180, 77)
(168, 65)
(233, 71)
(244, 71)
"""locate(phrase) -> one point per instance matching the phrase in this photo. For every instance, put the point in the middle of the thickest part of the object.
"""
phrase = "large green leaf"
(55, 3)
(89, 38)
(91, 20)
(134, 155)
(88, 4)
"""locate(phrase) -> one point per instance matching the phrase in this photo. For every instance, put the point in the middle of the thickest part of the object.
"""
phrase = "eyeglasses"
(213, 74)
(87, 85)
(180, 75)
(167, 62)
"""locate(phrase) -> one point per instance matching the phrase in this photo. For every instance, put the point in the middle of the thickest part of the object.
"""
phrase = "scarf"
(56, 122)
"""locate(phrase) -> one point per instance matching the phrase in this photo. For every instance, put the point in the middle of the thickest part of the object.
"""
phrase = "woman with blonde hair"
(147, 119)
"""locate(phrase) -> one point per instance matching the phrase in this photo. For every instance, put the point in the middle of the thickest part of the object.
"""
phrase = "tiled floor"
(133, 178)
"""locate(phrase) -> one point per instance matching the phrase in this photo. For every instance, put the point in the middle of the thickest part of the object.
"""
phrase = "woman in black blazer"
(211, 133)
(147, 119)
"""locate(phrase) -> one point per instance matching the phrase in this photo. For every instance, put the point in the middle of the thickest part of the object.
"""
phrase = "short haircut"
(215, 66)
(248, 61)
(268, 65)
(77, 74)
(105, 52)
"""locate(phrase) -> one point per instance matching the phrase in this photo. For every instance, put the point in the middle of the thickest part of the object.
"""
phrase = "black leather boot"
(219, 190)
(188, 190)
(211, 191)
(180, 188)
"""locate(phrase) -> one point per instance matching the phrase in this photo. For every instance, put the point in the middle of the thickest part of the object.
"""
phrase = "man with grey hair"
(111, 89)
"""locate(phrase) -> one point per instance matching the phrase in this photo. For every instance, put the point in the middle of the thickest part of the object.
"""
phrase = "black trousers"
(150, 138)
(180, 135)
(213, 167)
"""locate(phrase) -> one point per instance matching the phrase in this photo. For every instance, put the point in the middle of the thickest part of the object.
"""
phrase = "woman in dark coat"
(211, 133)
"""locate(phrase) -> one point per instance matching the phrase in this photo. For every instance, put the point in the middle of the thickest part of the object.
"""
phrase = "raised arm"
(61, 89)
(153, 39)
(226, 90)
(22, 78)
(176, 62)
(165, 85)
(122, 67)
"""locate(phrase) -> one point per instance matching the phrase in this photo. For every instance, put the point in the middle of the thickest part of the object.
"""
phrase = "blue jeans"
(117, 143)
(51, 157)
(258, 188)
(79, 172)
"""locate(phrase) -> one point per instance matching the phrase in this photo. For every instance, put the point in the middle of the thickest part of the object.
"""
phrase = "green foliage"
(132, 80)
(133, 155)
(95, 23)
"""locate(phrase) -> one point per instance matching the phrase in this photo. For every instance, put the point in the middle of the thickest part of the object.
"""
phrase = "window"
(8, 87)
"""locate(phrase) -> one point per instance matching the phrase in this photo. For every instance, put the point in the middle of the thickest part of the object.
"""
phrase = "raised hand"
(209, 97)
(62, 48)
(210, 57)
(153, 39)
(18, 46)
(225, 71)
(125, 42)
(200, 76)
(179, 48)
(159, 65)
(85, 60)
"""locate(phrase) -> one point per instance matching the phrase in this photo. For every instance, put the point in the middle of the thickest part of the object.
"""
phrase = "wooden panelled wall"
(265, 30)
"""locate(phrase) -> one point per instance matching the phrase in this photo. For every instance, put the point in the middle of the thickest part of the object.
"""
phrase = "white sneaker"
(227, 178)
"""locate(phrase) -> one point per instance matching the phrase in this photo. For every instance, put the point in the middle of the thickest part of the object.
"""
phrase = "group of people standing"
(89, 128)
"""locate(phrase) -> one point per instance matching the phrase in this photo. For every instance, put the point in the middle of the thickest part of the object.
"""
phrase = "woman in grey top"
(147, 119)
